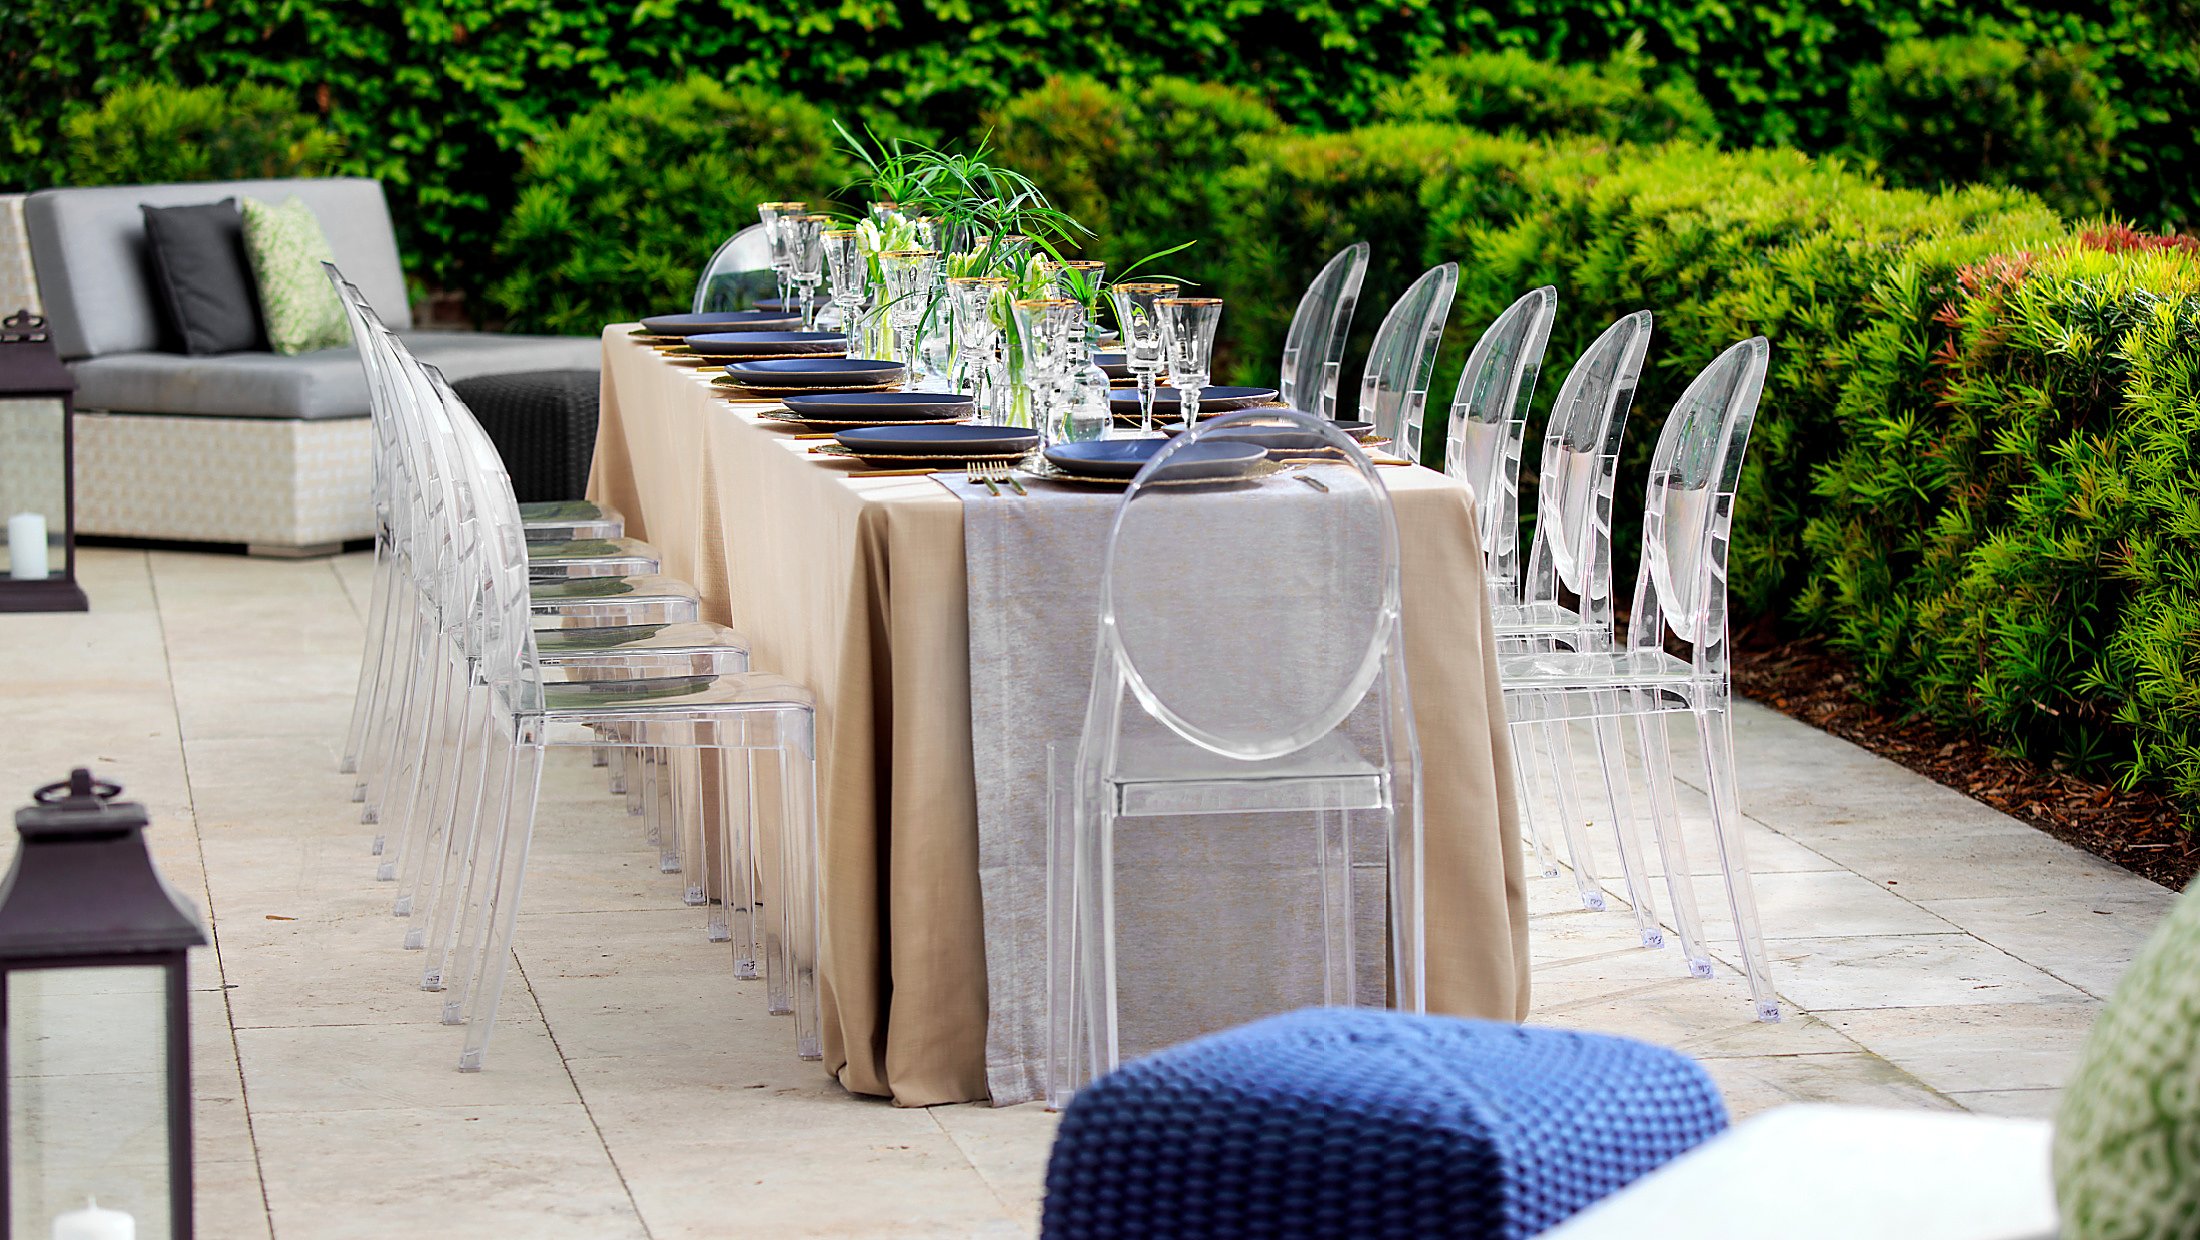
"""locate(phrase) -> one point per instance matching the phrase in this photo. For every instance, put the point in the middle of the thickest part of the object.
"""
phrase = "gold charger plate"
(741, 391)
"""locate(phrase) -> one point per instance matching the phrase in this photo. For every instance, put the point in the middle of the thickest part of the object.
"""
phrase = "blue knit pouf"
(1337, 1122)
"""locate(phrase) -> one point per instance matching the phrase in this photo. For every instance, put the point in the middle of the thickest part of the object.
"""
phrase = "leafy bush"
(438, 97)
(1513, 92)
(1301, 198)
(1941, 111)
(153, 132)
(618, 209)
(1720, 246)
(1140, 168)
(2008, 542)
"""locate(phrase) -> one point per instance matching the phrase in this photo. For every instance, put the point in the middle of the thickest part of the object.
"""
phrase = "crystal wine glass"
(772, 213)
(909, 295)
(844, 262)
(970, 299)
(1188, 345)
(1043, 330)
(1134, 313)
(806, 260)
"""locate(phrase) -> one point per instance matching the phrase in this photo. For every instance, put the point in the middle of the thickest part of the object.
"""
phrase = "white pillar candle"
(27, 547)
(93, 1223)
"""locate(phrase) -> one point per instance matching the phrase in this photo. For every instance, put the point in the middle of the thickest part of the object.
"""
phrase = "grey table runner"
(1034, 568)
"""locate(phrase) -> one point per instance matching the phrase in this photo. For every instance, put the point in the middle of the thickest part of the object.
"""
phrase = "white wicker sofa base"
(280, 486)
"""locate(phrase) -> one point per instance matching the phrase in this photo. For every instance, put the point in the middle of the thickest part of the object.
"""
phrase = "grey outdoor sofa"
(254, 448)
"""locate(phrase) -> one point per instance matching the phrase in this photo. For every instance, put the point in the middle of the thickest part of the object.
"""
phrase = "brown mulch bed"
(2139, 831)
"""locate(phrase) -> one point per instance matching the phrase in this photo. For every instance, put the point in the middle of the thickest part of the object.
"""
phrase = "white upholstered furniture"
(254, 448)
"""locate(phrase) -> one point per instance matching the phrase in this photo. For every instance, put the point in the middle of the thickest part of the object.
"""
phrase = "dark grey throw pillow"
(204, 279)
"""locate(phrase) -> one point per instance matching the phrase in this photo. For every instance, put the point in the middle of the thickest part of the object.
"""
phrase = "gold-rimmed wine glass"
(1187, 346)
(771, 213)
(1141, 330)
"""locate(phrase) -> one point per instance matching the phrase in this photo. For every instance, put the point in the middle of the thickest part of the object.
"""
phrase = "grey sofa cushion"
(329, 383)
(88, 247)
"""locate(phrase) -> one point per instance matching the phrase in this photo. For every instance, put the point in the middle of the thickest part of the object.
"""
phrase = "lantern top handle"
(79, 791)
(80, 806)
(23, 327)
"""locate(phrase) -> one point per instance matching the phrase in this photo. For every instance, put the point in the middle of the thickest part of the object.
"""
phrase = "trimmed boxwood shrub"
(1513, 92)
(438, 97)
(619, 209)
(153, 132)
(1141, 168)
(1980, 109)
(2009, 540)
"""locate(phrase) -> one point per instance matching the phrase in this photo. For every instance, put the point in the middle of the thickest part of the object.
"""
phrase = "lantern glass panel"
(34, 477)
(88, 1095)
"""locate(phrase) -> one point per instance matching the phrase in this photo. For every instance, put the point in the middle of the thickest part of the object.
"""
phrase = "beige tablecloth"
(856, 588)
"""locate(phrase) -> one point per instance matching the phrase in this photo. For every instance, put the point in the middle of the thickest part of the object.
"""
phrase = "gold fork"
(975, 472)
(999, 471)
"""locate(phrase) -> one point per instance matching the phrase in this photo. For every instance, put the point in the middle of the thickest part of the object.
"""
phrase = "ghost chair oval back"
(1571, 555)
(1401, 361)
(1313, 350)
(1296, 714)
(738, 275)
(1680, 592)
(1489, 424)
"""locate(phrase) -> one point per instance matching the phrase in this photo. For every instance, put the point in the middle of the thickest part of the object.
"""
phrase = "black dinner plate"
(1280, 438)
(823, 372)
(1169, 406)
(1123, 458)
(721, 321)
(955, 442)
(882, 406)
(1117, 365)
(750, 344)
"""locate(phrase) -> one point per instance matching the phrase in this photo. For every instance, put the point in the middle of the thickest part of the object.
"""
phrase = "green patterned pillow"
(2128, 1135)
(287, 247)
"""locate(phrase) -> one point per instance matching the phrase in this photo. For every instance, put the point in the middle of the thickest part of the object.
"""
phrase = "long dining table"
(857, 588)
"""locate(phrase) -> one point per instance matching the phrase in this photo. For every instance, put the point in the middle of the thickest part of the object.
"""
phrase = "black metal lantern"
(95, 1045)
(37, 471)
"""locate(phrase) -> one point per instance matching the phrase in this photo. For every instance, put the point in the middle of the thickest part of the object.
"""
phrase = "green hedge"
(618, 210)
(1719, 245)
(1950, 111)
(1513, 92)
(149, 133)
(1139, 167)
(1978, 451)
(2010, 540)
(440, 97)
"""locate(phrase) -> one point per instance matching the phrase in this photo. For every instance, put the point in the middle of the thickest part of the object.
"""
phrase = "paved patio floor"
(1933, 953)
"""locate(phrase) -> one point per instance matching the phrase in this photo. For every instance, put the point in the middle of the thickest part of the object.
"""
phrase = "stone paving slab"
(1931, 953)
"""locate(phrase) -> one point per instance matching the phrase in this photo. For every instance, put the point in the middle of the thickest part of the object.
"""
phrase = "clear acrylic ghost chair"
(1680, 592)
(1274, 695)
(738, 274)
(634, 680)
(598, 652)
(427, 771)
(1489, 423)
(1313, 350)
(388, 616)
(1394, 385)
(1571, 557)
(405, 685)
(764, 716)
(555, 521)
(649, 657)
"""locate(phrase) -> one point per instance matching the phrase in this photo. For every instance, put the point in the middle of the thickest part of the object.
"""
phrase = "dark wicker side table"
(543, 424)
